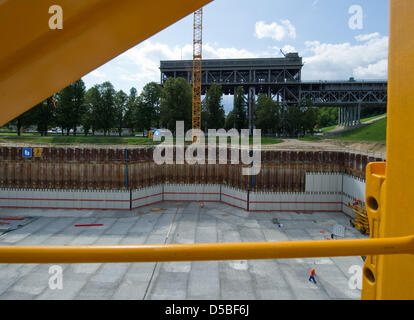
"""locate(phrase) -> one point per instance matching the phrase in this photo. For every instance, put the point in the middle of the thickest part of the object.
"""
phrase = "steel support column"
(346, 117)
(353, 116)
(339, 116)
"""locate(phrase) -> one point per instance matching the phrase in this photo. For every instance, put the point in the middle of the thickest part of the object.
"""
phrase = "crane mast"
(197, 61)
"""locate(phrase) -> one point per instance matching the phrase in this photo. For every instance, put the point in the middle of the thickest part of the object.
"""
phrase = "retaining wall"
(116, 169)
(146, 196)
(344, 188)
(192, 192)
(65, 199)
(296, 202)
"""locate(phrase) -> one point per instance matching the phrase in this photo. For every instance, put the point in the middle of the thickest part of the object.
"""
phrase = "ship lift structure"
(36, 62)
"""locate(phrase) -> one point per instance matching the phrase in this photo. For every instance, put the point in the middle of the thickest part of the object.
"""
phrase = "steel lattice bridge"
(281, 79)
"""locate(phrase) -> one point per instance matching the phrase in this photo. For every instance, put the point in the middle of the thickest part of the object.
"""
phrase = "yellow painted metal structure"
(208, 251)
(390, 187)
(197, 68)
(361, 221)
(35, 62)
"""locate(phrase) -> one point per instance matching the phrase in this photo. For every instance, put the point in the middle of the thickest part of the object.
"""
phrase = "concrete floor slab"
(178, 223)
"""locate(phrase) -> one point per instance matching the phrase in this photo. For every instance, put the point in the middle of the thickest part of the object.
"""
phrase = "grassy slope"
(372, 118)
(67, 140)
(362, 121)
(375, 132)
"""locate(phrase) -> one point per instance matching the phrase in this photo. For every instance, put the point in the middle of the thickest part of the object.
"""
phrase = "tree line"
(103, 109)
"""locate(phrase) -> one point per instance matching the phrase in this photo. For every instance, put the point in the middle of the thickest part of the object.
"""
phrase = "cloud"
(375, 70)
(140, 65)
(210, 52)
(367, 59)
(97, 74)
(286, 49)
(367, 37)
(275, 30)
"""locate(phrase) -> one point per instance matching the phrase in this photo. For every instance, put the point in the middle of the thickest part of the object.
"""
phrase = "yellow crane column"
(197, 61)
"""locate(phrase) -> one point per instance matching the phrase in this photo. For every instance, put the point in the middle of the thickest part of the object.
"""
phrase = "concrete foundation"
(324, 193)
(183, 222)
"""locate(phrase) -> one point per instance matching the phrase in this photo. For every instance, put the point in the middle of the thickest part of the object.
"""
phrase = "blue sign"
(157, 133)
(27, 153)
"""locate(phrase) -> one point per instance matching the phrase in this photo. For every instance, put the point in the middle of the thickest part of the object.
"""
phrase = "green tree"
(176, 102)
(240, 109)
(121, 100)
(266, 114)
(291, 121)
(24, 120)
(43, 116)
(150, 105)
(230, 122)
(328, 116)
(310, 115)
(70, 106)
(90, 119)
(131, 110)
(87, 121)
(106, 109)
(214, 110)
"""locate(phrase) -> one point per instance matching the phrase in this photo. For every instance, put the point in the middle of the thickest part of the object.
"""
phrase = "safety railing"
(205, 252)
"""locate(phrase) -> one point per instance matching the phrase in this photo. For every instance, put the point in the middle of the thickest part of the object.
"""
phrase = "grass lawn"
(328, 128)
(362, 121)
(12, 134)
(98, 140)
(375, 132)
(68, 140)
(310, 139)
(270, 141)
(372, 118)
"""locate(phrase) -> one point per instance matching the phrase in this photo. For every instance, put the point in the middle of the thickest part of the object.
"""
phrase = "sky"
(337, 39)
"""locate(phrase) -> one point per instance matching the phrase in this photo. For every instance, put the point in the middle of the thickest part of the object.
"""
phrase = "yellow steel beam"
(197, 69)
(390, 186)
(202, 252)
(36, 62)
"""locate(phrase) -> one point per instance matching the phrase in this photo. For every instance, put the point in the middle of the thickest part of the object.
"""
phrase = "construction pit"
(114, 197)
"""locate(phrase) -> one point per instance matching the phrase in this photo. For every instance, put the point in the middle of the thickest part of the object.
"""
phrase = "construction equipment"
(360, 221)
(197, 61)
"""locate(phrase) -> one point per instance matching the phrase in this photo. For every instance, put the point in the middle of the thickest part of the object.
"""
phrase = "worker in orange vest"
(312, 275)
